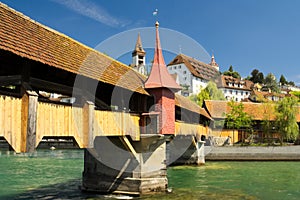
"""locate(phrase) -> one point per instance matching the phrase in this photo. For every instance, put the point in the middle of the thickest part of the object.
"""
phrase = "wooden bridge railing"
(20, 126)
(116, 124)
(25, 121)
(10, 121)
(54, 120)
(183, 128)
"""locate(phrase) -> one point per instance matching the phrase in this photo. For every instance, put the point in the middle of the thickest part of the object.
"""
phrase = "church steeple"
(138, 46)
(159, 76)
(138, 57)
(213, 62)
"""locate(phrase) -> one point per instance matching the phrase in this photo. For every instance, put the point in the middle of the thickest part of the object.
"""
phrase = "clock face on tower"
(141, 69)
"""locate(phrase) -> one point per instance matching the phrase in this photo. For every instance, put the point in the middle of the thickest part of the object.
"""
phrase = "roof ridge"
(196, 60)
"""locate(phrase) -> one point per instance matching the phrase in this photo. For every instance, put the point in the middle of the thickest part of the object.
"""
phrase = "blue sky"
(248, 34)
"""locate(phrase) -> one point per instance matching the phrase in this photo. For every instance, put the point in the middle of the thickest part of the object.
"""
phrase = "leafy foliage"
(237, 118)
(257, 76)
(296, 94)
(271, 83)
(282, 80)
(211, 92)
(291, 83)
(232, 73)
(286, 120)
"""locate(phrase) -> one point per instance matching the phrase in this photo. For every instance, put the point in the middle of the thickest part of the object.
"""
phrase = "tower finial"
(156, 24)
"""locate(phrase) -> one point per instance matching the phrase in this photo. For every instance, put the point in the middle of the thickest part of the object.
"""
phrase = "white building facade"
(193, 75)
(234, 88)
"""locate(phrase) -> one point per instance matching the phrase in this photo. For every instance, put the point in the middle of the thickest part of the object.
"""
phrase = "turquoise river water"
(57, 175)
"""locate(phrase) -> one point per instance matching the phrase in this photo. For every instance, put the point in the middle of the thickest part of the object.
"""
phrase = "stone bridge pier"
(120, 165)
(185, 150)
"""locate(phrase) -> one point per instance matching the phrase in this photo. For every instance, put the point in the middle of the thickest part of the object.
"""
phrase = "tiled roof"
(186, 103)
(258, 111)
(224, 81)
(27, 38)
(196, 67)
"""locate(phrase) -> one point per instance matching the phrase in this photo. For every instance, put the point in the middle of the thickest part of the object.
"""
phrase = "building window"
(236, 92)
(179, 66)
(174, 67)
(184, 72)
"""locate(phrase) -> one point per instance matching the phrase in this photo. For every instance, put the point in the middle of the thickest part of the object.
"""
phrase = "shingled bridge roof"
(29, 39)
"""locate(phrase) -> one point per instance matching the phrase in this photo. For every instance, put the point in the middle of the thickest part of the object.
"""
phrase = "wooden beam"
(10, 80)
(53, 87)
(29, 119)
(88, 124)
(129, 146)
(67, 90)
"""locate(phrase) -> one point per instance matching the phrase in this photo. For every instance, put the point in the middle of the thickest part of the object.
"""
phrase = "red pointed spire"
(159, 76)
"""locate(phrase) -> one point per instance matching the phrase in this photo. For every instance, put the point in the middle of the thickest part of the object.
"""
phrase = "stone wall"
(272, 153)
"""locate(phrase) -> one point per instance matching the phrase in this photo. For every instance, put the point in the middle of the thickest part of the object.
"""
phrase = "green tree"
(291, 83)
(232, 73)
(257, 76)
(210, 92)
(282, 80)
(296, 94)
(286, 120)
(237, 118)
(203, 95)
(230, 68)
(271, 83)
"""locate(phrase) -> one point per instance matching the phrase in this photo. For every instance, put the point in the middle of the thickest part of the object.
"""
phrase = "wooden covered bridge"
(53, 86)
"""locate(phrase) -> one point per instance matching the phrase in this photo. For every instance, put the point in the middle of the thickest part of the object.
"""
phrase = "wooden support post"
(88, 124)
(29, 118)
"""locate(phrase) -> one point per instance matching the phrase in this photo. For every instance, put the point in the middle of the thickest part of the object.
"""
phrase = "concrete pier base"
(185, 150)
(120, 165)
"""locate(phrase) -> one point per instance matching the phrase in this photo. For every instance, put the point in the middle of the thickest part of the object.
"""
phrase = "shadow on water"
(67, 190)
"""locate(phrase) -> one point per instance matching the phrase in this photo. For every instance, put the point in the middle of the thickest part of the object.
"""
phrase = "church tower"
(161, 85)
(214, 63)
(138, 57)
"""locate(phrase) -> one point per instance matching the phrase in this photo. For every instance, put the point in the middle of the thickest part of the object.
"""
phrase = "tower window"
(141, 57)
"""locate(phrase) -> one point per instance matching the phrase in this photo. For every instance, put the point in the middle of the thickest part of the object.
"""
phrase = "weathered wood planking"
(116, 124)
(10, 121)
(54, 120)
(182, 128)
(59, 120)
